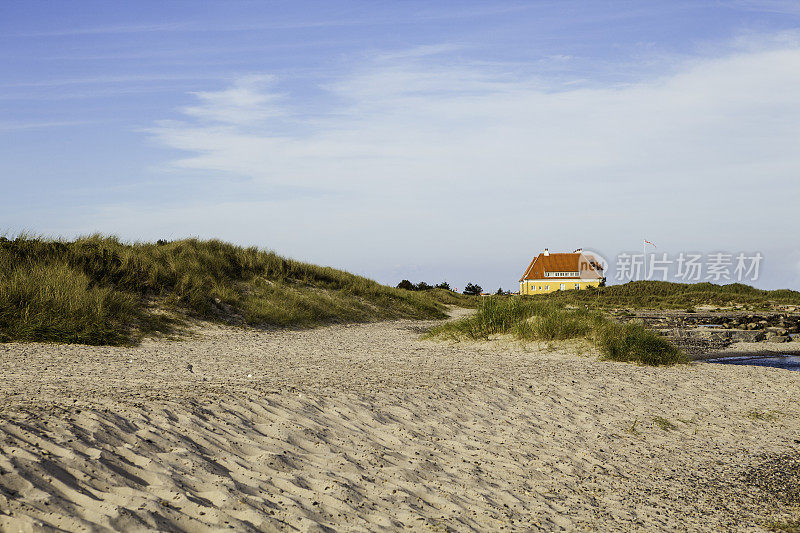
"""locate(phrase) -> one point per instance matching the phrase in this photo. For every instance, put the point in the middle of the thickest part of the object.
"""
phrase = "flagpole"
(644, 258)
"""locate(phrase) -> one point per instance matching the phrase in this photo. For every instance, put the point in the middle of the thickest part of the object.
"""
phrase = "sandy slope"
(368, 427)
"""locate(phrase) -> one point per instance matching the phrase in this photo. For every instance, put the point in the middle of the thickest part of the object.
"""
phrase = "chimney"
(546, 252)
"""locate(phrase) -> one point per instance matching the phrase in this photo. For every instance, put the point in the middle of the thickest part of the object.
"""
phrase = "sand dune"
(367, 427)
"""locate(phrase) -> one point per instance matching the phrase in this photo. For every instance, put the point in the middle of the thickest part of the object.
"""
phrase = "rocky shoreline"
(705, 335)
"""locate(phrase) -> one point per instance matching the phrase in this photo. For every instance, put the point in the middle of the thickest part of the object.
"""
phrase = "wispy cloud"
(417, 52)
(104, 86)
(248, 101)
(775, 6)
(195, 27)
(31, 125)
(403, 16)
(111, 29)
(204, 54)
(412, 130)
(109, 79)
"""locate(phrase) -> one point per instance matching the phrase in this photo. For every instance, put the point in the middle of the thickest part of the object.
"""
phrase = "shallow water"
(787, 362)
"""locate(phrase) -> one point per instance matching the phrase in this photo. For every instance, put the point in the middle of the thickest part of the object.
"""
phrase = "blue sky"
(420, 140)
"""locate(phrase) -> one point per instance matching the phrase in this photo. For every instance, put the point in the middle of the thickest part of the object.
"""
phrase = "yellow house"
(550, 272)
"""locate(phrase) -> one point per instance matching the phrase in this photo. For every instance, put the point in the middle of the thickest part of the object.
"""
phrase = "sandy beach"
(369, 427)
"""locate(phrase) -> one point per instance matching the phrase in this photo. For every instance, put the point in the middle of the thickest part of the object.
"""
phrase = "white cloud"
(438, 120)
(248, 101)
(416, 144)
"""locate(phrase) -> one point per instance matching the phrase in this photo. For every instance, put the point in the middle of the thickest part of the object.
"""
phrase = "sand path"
(369, 427)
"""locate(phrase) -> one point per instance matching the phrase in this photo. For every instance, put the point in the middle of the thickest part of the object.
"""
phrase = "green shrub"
(632, 342)
(473, 289)
(407, 285)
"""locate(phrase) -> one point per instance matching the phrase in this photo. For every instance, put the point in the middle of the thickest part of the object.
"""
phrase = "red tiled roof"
(581, 262)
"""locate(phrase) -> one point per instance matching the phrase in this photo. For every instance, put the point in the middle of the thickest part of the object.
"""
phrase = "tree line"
(470, 288)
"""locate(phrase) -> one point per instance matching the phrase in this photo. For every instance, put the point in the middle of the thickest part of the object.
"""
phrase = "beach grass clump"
(57, 302)
(100, 290)
(553, 324)
(768, 416)
(632, 342)
(531, 319)
(664, 423)
(494, 315)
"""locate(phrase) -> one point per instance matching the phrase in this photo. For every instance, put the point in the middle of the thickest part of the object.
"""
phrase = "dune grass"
(667, 295)
(55, 302)
(790, 526)
(538, 319)
(632, 342)
(99, 290)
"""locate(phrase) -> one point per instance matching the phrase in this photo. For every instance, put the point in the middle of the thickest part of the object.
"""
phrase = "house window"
(577, 285)
(547, 287)
(563, 286)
